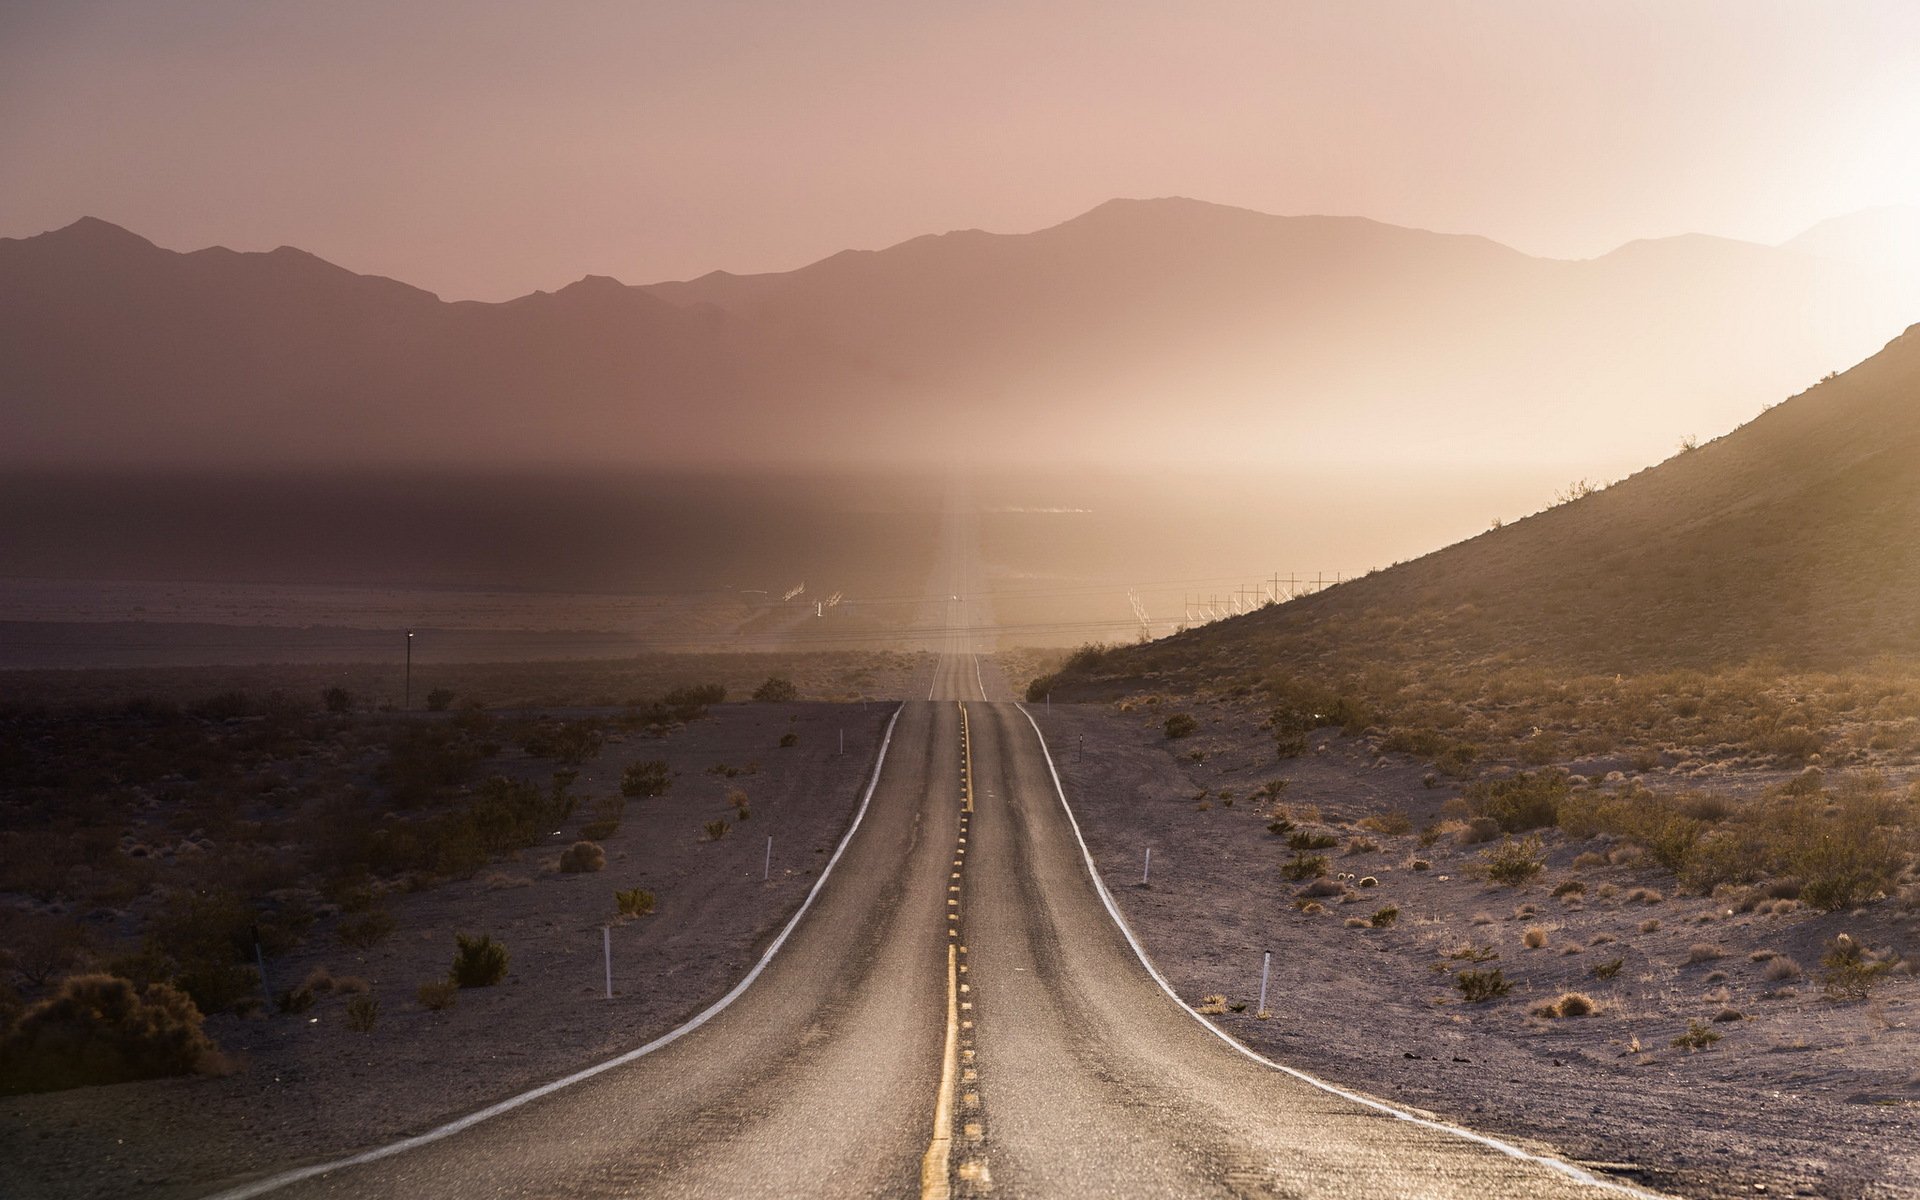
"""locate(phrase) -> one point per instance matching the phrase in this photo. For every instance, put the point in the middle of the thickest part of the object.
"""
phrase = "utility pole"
(1273, 588)
(407, 706)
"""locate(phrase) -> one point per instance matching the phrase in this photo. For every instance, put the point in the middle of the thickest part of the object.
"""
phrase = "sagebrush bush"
(438, 995)
(1570, 1004)
(1535, 937)
(778, 689)
(1607, 969)
(1517, 803)
(633, 902)
(650, 778)
(1304, 867)
(362, 1013)
(1481, 986)
(98, 1029)
(478, 962)
(1513, 863)
(1697, 1037)
(582, 857)
(1180, 725)
(1384, 917)
(365, 930)
(1849, 972)
(717, 829)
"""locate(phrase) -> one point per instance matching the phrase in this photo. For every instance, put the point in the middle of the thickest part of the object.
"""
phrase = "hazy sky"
(483, 148)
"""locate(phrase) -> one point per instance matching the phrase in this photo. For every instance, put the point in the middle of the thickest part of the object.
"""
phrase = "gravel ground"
(1799, 1096)
(308, 1088)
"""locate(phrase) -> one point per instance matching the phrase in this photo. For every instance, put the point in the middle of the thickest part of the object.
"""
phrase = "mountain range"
(1140, 332)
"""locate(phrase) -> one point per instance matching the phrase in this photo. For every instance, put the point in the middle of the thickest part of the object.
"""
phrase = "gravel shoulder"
(308, 1088)
(1799, 1095)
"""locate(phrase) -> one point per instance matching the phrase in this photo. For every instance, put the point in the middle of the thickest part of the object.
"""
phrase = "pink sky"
(482, 148)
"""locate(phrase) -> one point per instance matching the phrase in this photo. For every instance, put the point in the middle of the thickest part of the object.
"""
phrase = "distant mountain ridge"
(1138, 331)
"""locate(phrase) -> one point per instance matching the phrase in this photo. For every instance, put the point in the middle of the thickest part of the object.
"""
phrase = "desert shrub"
(649, 778)
(39, 947)
(1513, 863)
(437, 995)
(1180, 725)
(294, 1000)
(439, 700)
(1040, 687)
(1570, 1004)
(1535, 937)
(1481, 986)
(1324, 886)
(1607, 969)
(1393, 821)
(1721, 856)
(201, 941)
(1279, 826)
(1697, 1036)
(693, 700)
(99, 1029)
(1520, 802)
(1308, 840)
(607, 812)
(1384, 917)
(1304, 867)
(1478, 830)
(1780, 969)
(1362, 845)
(365, 930)
(337, 700)
(717, 829)
(362, 1012)
(582, 858)
(478, 962)
(1569, 887)
(427, 761)
(1701, 952)
(633, 902)
(1849, 972)
(789, 740)
(778, 689)
(1290, 728)
(569, 742)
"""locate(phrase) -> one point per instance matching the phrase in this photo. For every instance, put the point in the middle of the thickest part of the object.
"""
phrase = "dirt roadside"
(310, 1088)
(1799, 1095)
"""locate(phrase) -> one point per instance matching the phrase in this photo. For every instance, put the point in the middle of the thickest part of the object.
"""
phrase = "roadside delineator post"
(1146, 868)
(606, 950)
(766, 868)
(1266, 961)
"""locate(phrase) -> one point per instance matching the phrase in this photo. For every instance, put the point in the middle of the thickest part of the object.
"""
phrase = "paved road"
(957, 1011)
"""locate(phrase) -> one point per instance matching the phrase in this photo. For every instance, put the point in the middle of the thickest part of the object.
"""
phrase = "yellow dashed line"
(936, 1164)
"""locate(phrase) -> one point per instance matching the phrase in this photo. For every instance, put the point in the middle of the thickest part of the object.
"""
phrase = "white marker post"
(606, 950)
(1266, 961)
(1147, 867)
(843, 739)
(766, 868)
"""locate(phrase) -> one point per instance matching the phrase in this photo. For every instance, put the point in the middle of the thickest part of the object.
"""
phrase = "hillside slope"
(1795, 539)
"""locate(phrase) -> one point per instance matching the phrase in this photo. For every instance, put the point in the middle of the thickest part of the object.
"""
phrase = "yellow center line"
(936, 1164)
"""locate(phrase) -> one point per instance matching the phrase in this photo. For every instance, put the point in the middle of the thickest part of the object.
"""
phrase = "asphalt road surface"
(958, 1012)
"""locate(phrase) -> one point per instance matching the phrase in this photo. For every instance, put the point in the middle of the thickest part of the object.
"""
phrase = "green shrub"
(789, 740)
(1305, 866)
(1180, 725)
(693, 700)
(1513, 863)
(1308, 840)
(1481, 986)
(1697, 1037)
(439, 700)
(1384, 917)
(98, 1029)
(438, 995)
(362, 1012)
(478, 962)
(633, 902)
(600, 828)
(1607, 969)
(337, 700)
(1848, 972)
(294, 1000)
(778, 689)
(717, 829)
(363, 931)
(649, 778)
(1528, 800)
(582, 858)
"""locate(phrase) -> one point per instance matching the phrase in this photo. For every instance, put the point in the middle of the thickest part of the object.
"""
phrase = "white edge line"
(1556, 1164)
(275, 1182)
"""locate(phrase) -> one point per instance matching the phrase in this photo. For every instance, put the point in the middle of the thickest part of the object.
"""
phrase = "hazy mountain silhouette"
(1160, 327)
(1142, 331)
(1789, 540)
(113, 349)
